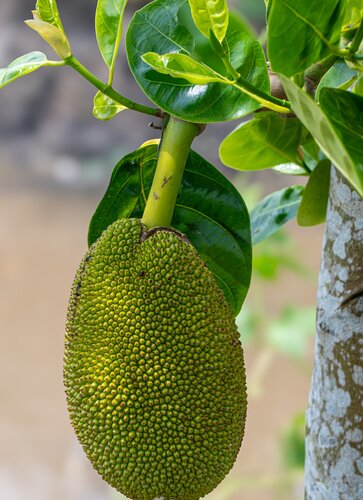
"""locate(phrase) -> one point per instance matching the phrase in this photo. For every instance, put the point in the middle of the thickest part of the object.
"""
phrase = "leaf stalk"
(110, 91)
(268, 101)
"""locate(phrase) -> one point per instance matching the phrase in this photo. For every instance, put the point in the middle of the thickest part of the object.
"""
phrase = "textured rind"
(154, 370)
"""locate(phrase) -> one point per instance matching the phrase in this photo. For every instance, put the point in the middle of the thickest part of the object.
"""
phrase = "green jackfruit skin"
(154, 370)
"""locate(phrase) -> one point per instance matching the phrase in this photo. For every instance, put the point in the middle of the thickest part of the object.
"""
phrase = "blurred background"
(55, 163)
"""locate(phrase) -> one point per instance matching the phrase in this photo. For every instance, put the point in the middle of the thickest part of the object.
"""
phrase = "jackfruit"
(154, 370)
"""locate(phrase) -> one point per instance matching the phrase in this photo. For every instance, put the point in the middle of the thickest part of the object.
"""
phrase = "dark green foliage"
(158, 28)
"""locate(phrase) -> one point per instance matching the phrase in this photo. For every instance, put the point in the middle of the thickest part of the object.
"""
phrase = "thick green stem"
(174, 149)
(109, 91)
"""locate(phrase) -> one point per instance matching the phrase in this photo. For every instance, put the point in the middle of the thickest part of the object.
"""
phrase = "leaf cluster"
(199, 62)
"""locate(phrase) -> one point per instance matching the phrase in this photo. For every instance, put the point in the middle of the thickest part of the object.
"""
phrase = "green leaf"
(52, 35)
(339, 138)
(302, 33)
(22, 66)
(312, 209)
(181, 66)
(47, 11)
(109, 17)
(338, 75)
(48, 25)
(105, 108)
(264, 142)
(274, 211)
(210, 15)
(345, 113)
(164, 27)
(209, 210)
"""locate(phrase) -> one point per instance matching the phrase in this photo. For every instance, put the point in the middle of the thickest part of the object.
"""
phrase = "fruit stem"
(174, 149)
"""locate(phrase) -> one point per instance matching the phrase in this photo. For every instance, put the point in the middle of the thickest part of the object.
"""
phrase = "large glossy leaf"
(339, 75)
(209, 210)
(109, 17)
(164, 27)
(312, 209)
(210, 16)
(301, 33)
(264, 142)
(105, 108)
(22, 66)
(271, 213)
(339, 138)
(47, 11)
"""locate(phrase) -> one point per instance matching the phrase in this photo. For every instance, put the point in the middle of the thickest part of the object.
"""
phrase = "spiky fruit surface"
(154, 369)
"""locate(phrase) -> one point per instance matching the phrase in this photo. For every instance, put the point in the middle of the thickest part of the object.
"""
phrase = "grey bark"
(334, 419)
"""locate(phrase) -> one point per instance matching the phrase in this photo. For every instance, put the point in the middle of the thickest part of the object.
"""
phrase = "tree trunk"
(334, 440)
